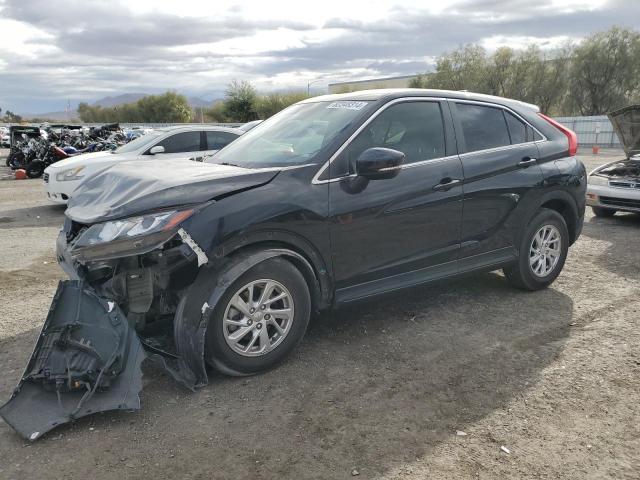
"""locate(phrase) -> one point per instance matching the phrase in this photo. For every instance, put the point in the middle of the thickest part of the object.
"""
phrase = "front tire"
(603, 212)
(543, 251)
(259, 320)
(35, 169)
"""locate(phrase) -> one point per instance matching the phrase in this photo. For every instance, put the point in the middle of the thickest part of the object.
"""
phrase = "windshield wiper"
(230, 164)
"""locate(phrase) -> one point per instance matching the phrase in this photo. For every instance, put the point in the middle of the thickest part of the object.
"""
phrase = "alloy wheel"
(545, 251)
(258, 317)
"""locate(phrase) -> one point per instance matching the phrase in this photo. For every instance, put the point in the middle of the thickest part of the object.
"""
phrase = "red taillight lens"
(571, 135)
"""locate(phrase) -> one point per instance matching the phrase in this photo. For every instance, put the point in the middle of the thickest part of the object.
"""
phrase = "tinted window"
(181, 142)
(414, 128)
(483, 127)
(219, 140)
(520, 133)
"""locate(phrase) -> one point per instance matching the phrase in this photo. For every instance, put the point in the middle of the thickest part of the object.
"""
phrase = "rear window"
(483, 127)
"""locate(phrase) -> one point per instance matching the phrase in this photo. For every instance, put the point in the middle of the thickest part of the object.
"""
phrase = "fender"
(567, 200)
(196, 307)
(277, 238)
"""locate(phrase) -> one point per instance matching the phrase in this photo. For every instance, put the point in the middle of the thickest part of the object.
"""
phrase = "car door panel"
(381, 230)
(500, 187)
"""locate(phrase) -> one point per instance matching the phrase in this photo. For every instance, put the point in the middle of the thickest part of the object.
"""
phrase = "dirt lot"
(382, 388)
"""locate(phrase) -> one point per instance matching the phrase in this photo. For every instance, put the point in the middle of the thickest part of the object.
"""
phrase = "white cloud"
(53, 50)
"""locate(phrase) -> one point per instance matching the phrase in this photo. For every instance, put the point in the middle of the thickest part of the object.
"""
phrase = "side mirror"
(379, 163)
(157, 149)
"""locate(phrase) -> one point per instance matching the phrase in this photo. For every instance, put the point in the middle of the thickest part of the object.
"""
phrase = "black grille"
(45, 177)
(620, 202)
(623, 184)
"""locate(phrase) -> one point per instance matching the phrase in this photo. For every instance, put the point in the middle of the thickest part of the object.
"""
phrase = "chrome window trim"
(317, 181)
(503, 107)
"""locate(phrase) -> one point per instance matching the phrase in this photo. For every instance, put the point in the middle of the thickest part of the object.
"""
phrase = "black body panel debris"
(86, 360)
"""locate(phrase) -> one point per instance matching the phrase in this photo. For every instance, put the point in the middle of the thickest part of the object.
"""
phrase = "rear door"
(501, 179)
(391, 233)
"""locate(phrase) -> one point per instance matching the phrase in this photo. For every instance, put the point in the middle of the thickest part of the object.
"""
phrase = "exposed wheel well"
(317, 283)
(564, 209)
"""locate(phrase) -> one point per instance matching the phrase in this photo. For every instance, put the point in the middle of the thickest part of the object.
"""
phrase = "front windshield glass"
(293, 136)
(138, 143)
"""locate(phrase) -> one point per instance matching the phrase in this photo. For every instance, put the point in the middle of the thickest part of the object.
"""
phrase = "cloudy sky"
(52, 51)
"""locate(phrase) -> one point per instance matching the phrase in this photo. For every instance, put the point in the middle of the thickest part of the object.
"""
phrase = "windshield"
(293, 136)
(139, 143)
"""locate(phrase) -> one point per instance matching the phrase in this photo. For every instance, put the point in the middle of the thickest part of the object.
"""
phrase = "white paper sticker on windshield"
(348, 105)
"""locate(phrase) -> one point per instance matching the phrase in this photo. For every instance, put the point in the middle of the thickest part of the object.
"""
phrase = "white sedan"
(194, 142)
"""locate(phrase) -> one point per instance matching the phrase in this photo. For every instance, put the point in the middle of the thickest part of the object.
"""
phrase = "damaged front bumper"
(87, 359)
(101, 325)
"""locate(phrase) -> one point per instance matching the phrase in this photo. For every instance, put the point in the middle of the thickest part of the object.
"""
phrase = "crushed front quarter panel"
(86, 360)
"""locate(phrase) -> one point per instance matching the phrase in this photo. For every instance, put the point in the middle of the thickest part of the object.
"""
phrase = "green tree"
(11, 117)
(604, 72)
(272, 103)
(240, 102)
(166, 108)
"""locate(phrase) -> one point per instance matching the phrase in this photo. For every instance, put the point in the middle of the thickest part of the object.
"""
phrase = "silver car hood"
(626, 123)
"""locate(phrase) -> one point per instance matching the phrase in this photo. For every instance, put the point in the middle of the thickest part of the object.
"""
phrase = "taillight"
(571, 135)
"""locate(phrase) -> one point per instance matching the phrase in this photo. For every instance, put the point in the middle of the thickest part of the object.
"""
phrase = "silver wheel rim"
(545, 251)
(258, 317)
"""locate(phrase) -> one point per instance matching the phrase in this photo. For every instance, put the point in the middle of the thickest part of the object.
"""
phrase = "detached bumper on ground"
(99, 328)
(86, 360)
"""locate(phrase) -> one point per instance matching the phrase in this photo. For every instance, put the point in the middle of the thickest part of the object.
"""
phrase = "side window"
(219, 140)
(483, 127)
(519, 131)
(181, 142)
(414, 128)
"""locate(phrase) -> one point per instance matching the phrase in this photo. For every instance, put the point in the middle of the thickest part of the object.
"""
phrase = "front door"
(392, 233)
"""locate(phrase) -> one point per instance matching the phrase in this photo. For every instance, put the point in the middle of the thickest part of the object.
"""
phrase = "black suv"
(333, 200)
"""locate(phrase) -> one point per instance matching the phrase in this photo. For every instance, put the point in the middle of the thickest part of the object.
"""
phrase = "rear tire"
(603, 212)
(273, 334)
(540, 263)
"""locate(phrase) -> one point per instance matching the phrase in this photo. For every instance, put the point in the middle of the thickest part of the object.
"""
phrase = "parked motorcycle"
(33, 152)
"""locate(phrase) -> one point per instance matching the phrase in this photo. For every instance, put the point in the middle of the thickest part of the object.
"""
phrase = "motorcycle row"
(34, 148)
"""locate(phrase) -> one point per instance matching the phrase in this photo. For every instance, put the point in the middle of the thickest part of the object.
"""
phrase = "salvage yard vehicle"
(333, 200)
(615, 187)
(197, 142)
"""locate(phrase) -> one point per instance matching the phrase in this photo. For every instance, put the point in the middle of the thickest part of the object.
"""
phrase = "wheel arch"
(295, 249)
(563, 203)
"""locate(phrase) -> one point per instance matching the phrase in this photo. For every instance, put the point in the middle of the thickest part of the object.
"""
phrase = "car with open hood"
(333, 200)
(615, 187)
(196, 142)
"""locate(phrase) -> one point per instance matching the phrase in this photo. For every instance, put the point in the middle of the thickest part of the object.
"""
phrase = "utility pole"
(311, 83)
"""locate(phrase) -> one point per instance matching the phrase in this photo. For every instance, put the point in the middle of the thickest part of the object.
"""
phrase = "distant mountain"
(71, 116)
(107, 102)
(134, 97)
(119, 99)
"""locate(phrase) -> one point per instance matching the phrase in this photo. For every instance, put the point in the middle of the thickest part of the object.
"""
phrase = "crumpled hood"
(130, 188)
(626, 123)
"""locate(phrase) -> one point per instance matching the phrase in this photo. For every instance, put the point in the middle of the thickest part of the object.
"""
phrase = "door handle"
(447, 184)
(526, 161)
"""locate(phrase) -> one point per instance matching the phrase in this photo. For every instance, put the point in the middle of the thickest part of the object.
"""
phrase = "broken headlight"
(127, 236)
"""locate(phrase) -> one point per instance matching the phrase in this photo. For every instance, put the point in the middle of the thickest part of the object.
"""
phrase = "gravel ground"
(378, 390)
